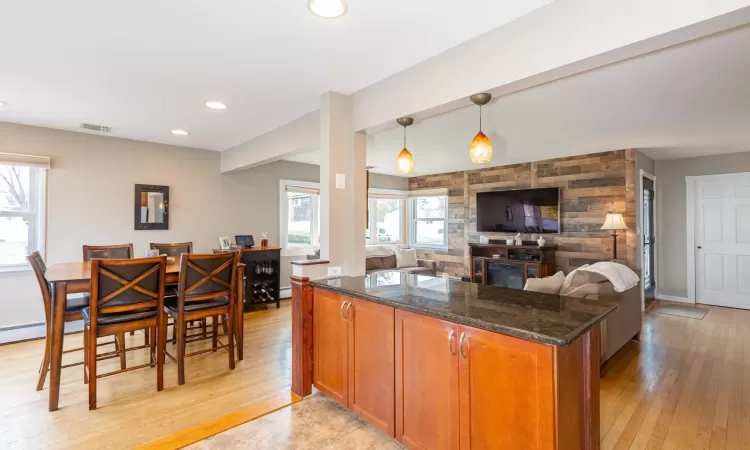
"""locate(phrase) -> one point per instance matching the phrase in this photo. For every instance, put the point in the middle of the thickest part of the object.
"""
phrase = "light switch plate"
(334, 271)
(340, 181)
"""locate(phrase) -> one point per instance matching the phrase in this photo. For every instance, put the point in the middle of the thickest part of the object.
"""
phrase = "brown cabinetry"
(462, 388)
(510, 265)
(353, 356)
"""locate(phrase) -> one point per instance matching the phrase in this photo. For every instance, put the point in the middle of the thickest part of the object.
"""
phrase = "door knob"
(699, 247)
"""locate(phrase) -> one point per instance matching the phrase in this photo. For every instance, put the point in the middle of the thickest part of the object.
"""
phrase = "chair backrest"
(122, 251)
(207, 277)
(39, 268)
(119, 285)
(173, 249)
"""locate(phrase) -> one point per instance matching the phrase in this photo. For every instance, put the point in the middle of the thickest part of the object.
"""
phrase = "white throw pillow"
(548, 285)
(406, 257)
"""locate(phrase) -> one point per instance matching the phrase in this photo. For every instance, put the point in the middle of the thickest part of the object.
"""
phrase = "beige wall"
(90, 200)
(671, 275)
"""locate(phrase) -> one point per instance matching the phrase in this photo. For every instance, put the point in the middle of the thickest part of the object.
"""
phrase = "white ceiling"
(689, 100)
(145, 67)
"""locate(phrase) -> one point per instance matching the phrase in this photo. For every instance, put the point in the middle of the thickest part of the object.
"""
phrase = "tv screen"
(519, 211)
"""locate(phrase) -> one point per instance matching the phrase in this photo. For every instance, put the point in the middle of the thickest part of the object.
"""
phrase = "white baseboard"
(285, 292)
(33, 331)
(673, 298)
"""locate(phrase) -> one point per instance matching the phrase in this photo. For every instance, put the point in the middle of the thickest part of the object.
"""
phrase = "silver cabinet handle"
(346, 311)
(461, 344)
(341, 310)
(450, 342)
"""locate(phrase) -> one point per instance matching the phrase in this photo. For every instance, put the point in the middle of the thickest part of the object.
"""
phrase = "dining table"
(75, 277)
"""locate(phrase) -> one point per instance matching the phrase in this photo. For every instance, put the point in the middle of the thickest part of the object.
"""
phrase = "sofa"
(621, 325)
(383, 259)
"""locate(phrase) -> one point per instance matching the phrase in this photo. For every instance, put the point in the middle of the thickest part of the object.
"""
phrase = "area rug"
(691, 312)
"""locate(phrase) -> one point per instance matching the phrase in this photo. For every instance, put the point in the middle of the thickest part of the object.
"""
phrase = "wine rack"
(262, 276)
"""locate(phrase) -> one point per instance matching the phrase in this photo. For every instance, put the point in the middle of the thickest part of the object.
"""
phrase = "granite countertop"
(544, 318)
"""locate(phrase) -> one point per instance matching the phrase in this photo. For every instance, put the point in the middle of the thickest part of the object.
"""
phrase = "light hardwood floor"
(686, 385)
(130, 410)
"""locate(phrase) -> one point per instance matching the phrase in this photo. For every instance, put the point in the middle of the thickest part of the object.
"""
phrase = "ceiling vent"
(92, 127)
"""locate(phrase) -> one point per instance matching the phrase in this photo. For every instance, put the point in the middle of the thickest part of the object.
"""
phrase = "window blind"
(13, 159)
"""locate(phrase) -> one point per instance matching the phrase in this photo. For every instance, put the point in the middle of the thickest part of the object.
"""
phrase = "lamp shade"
(480, 150)
(614, 222)
(405, 162)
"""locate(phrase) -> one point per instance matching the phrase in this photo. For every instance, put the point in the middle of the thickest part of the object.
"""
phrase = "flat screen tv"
(519, 211)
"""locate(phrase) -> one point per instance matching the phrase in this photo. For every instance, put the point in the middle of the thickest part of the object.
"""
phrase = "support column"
(342, 208)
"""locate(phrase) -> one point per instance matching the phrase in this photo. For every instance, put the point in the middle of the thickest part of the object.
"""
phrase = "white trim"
(286, 249)
(388, 192)
(285, 292)
(639, 232)
(672, 298)
(13, 159)
(691, 182)
(411, 229)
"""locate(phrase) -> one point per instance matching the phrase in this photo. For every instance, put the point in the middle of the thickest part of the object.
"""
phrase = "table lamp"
(614, 222)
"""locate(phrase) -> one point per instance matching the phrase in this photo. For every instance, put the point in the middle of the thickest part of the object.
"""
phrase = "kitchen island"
(444, 364)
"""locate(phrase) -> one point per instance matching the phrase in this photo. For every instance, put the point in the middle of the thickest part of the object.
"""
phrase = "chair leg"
(121, 349)
(44, 368)
(132, 333)
(215, 332)
(174, 332)
(230, 336)
(204, 324)
(181, 351)
(92, 366)
(224, 324)
(152, 344)
(85, 354)
(162, 347)
(147, 336)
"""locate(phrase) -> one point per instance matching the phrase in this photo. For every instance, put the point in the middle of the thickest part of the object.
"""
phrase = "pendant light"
(480, 150)
(405, 162)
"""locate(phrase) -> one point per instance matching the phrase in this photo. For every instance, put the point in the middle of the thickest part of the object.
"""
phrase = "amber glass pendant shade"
(480, 150)
(405, 162)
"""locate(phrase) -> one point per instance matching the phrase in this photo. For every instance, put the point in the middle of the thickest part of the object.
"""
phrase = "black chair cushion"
(114, 318)
(76, 304)
(170, 304)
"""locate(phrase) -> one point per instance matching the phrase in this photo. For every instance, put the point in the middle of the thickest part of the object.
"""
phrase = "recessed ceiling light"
(216, 105)
(180, 132)
(328, 9)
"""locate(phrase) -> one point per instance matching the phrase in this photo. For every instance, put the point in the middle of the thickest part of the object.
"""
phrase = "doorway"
(648, 233)
(719, 239)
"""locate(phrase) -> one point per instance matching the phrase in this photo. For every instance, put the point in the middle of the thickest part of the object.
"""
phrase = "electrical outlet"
(334, 271)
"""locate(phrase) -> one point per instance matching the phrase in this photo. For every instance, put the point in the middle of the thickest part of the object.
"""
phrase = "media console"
(504, 265)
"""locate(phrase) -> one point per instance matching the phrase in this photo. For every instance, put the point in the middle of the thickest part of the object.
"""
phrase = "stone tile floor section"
(315, 423)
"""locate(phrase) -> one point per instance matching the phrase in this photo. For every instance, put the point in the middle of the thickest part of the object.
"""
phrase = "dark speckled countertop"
(545, 318)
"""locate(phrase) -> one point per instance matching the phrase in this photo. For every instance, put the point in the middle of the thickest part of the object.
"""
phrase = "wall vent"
(92, 127)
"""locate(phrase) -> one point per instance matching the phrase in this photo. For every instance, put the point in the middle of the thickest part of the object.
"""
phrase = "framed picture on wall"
(224, 242)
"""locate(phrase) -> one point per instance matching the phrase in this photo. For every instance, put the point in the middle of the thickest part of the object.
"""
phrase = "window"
(428, 222)
(22, 205)
(385, 222)
(300, 217)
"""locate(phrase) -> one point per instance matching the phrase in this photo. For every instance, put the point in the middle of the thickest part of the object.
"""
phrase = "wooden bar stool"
(206, 288)
(126, 295)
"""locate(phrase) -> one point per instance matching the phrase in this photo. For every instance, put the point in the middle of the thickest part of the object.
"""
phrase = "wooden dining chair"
(174, 250)
(73, 307)
(206, 288)
(126, 294)
(122, 251)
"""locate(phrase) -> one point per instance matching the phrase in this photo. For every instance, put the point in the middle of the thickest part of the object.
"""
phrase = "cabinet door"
(372, 363)
(426, 382)
(506, 387)
(330, 345)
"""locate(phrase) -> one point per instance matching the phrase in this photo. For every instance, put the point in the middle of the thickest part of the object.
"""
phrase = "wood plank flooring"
(685, 386)
(130, 410)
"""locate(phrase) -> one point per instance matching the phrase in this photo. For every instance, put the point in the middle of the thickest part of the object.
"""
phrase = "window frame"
(295, 249)
(36, 215)
(375, 194)
(413, 220)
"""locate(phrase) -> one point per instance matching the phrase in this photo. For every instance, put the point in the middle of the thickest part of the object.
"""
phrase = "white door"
(722, 239)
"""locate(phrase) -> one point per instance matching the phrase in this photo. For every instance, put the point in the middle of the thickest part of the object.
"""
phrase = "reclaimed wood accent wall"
(590, 186)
